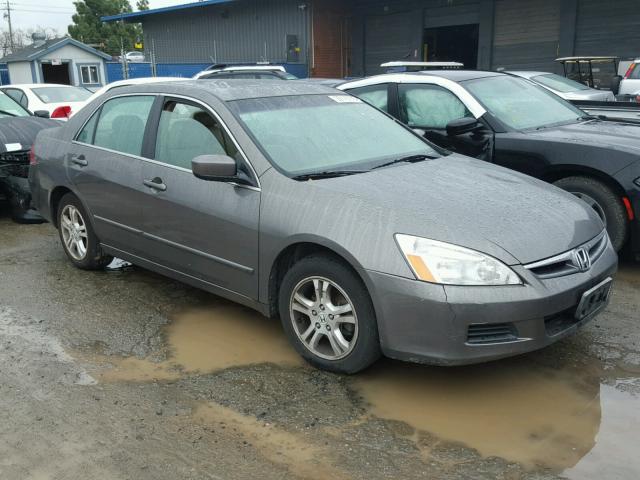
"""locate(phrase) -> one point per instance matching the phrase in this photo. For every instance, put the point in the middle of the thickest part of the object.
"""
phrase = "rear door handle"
(79, 160)
(156, 184)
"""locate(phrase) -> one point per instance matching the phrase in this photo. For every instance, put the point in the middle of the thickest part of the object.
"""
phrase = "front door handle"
(79, 160)
(156, 184)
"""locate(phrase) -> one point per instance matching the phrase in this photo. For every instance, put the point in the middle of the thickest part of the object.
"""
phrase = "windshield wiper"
(4, 112)
(407, 159)
(327, 174)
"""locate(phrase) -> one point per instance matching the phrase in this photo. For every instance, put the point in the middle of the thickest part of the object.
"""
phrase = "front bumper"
(428, 323)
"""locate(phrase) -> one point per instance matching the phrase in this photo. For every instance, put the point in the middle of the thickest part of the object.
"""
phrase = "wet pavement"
(125, 374)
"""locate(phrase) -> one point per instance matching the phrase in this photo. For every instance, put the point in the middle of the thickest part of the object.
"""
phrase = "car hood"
(603, 134)
(19, 133)
(463, 201)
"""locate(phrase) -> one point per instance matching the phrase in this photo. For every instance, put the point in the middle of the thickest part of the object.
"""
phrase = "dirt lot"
(125, 374)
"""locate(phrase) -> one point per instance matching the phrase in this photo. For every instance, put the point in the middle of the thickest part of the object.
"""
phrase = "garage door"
(526, 34)
(389, 37)
(608, 28)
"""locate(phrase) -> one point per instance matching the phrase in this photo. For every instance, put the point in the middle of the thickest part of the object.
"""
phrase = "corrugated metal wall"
(385, 31)
(526, 34)
(447, 13)
(249, 31)
(608, 28)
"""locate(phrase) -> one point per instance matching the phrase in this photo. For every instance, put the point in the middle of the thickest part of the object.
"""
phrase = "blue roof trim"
(135, 16)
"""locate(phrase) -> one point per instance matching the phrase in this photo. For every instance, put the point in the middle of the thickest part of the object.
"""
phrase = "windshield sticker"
(12, 147)
(345, 99)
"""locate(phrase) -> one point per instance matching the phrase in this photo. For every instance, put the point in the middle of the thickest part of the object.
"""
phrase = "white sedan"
(60, 101)
(127, 82)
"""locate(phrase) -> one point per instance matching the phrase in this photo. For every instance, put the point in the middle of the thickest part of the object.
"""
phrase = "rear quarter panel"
(49, 171)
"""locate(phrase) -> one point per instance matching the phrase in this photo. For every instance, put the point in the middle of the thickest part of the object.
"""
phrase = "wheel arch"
(297, 250)
(54, 201)
(558, 172)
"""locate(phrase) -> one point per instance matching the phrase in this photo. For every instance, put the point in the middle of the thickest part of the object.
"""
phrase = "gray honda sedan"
(305, 203)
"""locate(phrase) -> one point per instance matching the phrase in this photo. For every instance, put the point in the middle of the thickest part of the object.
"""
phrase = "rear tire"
(335, 330)
(77, 236)
(604, 201)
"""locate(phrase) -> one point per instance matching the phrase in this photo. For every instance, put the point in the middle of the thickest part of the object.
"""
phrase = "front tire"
(77, 236)
(327, 314)
(604, 201)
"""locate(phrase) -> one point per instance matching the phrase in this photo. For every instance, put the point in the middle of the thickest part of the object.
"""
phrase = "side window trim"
(98, 111)
(197, 103)
(160, 99)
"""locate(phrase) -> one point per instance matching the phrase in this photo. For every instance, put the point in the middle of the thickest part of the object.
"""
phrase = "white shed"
(60, 60)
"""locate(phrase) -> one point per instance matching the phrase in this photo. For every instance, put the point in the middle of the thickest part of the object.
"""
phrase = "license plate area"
(594, 299)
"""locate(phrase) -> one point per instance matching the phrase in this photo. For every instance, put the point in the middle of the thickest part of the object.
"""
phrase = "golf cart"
(595, 72)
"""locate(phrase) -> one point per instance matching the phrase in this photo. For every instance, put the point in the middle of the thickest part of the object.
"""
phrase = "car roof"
(457, 75)
(229, 90)
(585, 59)
(138, 81)
(527, 73)
(36, 85)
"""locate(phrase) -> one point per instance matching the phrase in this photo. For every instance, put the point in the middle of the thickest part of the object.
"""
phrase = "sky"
(26, 14)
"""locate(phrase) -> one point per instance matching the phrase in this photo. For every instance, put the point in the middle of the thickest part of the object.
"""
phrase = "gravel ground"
(125, 374)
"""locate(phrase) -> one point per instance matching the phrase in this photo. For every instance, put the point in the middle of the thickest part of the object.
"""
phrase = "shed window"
(89, 74)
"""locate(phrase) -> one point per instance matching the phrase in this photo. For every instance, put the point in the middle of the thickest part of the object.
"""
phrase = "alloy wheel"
(323, 318)
(74, 232)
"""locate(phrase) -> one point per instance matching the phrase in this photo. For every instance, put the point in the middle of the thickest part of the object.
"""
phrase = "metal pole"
(8, 16)
(123, 61)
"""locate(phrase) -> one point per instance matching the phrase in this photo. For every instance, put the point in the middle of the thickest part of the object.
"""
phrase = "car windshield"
(322, 133)
(520, 104)
(10, 108)
(61, 94)
(558, 83)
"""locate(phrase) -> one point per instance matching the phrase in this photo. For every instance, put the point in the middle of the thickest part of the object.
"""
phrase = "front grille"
(14, 163)
(559, 322)
(486, 333)
(565, 263)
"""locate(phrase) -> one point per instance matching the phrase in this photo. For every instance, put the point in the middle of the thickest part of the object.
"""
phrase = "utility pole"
(7, 15)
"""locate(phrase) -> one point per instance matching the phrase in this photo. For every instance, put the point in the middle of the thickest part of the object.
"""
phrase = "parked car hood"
(463, 201)
(594, 95)
(22, 131)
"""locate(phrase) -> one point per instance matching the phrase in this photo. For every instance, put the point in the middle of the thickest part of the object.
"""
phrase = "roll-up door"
(608, 28)
(526, 34)
(388, 38)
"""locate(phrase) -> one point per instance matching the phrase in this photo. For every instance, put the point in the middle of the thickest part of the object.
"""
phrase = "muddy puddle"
(205, 340)
(514, 409)
(576, 419)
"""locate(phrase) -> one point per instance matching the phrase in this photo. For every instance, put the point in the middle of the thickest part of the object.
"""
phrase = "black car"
(512, 122)
(18, 130)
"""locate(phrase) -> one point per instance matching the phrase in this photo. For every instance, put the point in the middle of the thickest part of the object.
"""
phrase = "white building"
(60, 60)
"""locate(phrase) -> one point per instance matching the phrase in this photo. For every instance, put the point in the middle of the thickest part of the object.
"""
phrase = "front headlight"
(439, 262)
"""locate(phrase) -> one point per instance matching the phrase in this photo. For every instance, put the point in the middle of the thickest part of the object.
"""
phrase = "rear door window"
(120, 124)
(18, 96)
(186, 131)
(376, 95)
(429, 106)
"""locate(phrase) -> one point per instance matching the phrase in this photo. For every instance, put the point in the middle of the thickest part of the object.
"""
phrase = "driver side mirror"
(463, 125)
(41, 113)
(217, 168)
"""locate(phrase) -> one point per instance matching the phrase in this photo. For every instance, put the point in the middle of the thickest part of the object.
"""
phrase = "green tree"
(142, 5)
(108, 37)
